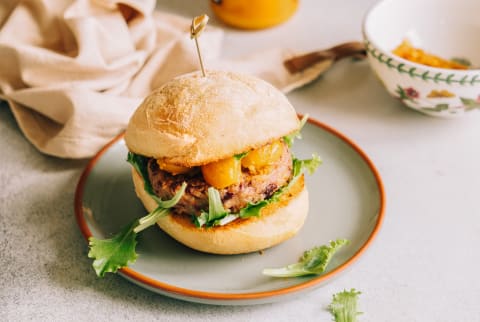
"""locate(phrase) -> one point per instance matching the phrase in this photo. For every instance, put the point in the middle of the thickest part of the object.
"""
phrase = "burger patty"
(252, 188)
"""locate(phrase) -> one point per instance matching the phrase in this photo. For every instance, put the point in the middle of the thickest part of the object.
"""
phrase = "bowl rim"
(369, 40)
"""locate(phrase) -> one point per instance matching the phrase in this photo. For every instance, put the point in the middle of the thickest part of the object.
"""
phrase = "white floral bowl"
(444, 28)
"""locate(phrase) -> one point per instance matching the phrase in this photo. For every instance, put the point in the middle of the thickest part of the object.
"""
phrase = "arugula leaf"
(299, 167)
(176, 198)
(150, 219)
(253, 209)
(161, 211)
(310, 165)
(221, 217)
(114, 253)
(119, 251)
(312, 262)
(215, 212)
(344, 306)
(297, 134)
(139, 162)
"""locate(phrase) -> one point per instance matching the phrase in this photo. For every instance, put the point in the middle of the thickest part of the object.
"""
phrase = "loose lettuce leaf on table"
(344, 306)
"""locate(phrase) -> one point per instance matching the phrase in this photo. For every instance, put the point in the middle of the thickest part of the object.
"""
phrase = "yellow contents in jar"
(416, 55)
(256, 14)
(172, 168)
(257, 159)
(222, 173)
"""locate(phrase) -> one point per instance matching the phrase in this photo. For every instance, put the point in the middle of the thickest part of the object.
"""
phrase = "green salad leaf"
(114, 253)
(253, 209)
(215, 212)
(119, 251)
(297, 134)
(299, 167)
(150, 219)
(312, 262)
(139, 162)
(218, 216)
(309, 165)
(344, 306)
(222, 217)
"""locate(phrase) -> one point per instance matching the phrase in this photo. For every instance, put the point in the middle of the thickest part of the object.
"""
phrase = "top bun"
(193, 120)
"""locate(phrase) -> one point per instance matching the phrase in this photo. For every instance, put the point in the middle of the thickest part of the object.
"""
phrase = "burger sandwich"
(212, 163)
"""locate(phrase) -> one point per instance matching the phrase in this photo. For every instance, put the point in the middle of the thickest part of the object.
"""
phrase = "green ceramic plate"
(346, 201)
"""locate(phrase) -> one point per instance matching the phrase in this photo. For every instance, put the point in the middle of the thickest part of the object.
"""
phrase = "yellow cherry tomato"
(248, 14)
(263, 156)
(172, 168)
(223, 173)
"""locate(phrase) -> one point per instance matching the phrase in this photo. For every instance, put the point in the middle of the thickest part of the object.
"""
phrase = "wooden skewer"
(198, 25)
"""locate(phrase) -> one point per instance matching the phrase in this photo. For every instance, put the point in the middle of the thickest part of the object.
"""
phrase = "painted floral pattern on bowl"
(436, 101)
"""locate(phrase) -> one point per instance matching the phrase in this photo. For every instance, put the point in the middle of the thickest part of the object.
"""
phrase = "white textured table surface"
(423, 266)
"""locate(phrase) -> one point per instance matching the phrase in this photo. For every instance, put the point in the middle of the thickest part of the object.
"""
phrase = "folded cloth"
(73, 71)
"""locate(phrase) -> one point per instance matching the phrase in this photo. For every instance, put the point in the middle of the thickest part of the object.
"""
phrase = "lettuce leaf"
(119, 251)
(299, 167)
(297, 134)
(309, 165)
(312, 262)
(344, 306)
(140, 162)
(151, 219)
(215, 213)
(219, 216)
(111, 254)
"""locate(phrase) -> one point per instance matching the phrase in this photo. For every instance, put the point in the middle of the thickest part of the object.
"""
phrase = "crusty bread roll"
(193, 120)
(277, 222)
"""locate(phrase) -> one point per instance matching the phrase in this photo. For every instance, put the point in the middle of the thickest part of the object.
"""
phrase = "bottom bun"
(277, 222)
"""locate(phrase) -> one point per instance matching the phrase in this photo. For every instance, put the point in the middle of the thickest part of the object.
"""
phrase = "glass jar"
(254, 14)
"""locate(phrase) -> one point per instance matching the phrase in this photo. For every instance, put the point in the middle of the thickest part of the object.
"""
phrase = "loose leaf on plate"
(312, 262)
(114, 253)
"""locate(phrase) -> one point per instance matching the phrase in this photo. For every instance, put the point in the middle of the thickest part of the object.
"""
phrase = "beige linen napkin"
(73, 71)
